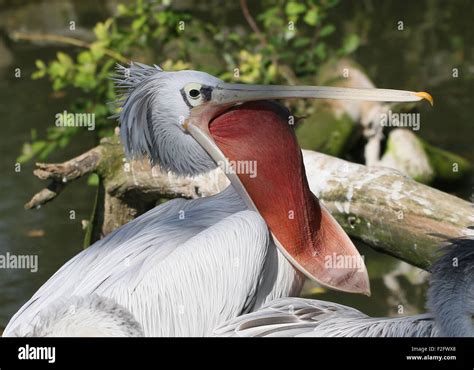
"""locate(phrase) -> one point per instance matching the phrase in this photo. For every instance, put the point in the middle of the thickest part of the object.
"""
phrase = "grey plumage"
(299, 317)
(451, 292)
(450, 297)
(450, 300)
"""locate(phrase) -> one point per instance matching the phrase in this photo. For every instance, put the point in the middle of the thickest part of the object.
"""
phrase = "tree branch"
(45, 195)
(61, 174)
(69, 170)
(389, 211)
(66, 40)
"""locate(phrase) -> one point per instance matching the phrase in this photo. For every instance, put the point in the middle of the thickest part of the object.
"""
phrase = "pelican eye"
(194, 93)
(193, 90)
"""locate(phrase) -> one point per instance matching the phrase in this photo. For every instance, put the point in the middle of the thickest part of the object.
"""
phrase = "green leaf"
(320, 51)
(93, 180)
(57, 69)
(38, 74)
(122, 9)
(65, 60)
(58, 85)
(161, 17)
(40, 64)
(30, 150)
(350, 43)
(101, 30)
(271, 17)
(48, 149)
(138, 23)
(85, 77)
(327, 30)
(301, 42)
(84, 57)
(38, 146)
(97, 50)
(294, 8)
(270, 13)
(312, 17)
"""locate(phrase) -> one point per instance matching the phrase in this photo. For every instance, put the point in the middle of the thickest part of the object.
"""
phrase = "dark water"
(27, 104)
(421, 58)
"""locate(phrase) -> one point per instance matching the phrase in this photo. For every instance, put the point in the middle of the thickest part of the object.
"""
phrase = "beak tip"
(426, 96)
(364, 283)
(359, 283)
(366, 291)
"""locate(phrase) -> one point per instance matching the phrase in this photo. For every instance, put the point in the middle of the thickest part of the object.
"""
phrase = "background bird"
(187, 266)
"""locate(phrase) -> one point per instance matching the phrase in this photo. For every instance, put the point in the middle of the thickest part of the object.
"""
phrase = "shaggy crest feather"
(137, 86)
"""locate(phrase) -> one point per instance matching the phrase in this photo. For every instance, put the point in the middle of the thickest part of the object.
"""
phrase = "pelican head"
(189, 121)
(155, 104)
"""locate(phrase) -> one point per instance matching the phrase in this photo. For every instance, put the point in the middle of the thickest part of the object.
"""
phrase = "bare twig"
(253, 25)
(46, 195)
(61, 174)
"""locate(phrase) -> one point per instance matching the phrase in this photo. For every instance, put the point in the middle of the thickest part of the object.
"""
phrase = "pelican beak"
(226, 93)
(303, 230)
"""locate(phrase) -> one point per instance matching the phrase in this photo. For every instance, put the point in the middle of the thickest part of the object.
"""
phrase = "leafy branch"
(284, 43)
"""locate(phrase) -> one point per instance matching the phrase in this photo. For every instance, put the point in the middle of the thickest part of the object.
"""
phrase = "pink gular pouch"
(257, 135)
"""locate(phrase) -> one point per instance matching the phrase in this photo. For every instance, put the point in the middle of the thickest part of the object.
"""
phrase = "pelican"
(188, 266)
(450, 303)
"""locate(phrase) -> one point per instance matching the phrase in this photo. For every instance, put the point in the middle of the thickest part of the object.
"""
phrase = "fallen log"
(389, 211)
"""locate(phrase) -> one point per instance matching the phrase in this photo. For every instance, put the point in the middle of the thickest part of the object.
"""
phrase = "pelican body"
(163, 274)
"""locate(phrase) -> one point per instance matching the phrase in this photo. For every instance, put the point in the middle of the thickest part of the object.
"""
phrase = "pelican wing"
(299, 317)
(181, 269)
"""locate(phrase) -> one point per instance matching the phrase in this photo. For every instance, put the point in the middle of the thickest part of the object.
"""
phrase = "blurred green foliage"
(289, 44)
